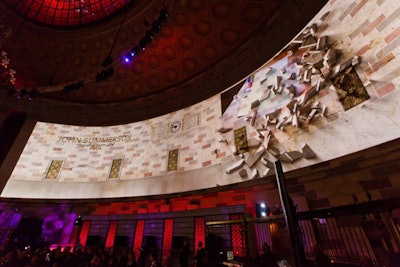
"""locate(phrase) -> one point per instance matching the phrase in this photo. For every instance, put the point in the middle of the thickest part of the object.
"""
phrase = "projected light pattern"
(238, 244)
(199, 232)
(112, 231)
(66, 13)
(83, 235)
(167, 237)
(137, 242)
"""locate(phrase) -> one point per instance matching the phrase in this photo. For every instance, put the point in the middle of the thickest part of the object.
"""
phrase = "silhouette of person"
(184, 253)
(200, 253)
(143, 252)
(268, 258)
(131, 261)
(153, 261)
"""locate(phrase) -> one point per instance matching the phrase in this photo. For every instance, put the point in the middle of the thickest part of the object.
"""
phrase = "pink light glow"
(137, 243)
(84, 232)
(167, 239)
(112, 230)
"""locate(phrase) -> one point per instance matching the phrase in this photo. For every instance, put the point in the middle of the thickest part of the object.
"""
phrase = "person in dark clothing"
(11, 259)
(200, 253)
(184, 253)
(152, 261)
(131, 261)
(143, 253)
(268, 258)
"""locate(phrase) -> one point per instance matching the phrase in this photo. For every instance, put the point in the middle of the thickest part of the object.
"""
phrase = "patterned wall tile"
(173, 156)
(348, 10)
(240, 137)
(359, 29)
(393, 35)
(358, 7)
(115, 168)
(373, 24)
(393, 16)
(54, 169)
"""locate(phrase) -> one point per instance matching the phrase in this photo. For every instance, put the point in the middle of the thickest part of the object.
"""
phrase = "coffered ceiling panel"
(66, 13)
(73, 54)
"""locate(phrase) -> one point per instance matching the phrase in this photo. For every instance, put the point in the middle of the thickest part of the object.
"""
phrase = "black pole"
(290, 217)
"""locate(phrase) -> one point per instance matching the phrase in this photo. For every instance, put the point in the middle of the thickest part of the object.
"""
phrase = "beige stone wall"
(87, 152)
(370, 30)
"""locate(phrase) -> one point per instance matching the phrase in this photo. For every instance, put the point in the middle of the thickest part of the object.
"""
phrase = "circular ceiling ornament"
(180, 19)
(189, 65)
(186, 42)
(118, 90)
(230, 36)
(222, 10)
(169, 53)
(67, 13)
(135, 88)
(153, 82)
(203, 28)
(171, 75)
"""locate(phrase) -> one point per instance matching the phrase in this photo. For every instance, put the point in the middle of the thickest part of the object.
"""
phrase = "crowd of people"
(68, 257)
(78, 256)
(97, 257)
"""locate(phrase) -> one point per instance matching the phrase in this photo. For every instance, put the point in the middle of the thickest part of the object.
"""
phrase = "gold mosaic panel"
(240, 136)
(350, 88)
(173, 160)
(54, 169)
(115, 168)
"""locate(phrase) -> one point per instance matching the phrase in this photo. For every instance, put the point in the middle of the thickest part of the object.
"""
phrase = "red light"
(66, 13)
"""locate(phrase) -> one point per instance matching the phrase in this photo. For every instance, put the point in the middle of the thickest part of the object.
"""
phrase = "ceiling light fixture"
(148, 36)
(73, 87)
(108, 60)
(104, 75)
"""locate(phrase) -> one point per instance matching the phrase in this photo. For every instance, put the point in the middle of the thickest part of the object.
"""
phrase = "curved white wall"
(369, 29)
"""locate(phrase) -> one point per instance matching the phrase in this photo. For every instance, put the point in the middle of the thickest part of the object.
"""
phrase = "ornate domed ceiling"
(192, 49)
(66, 13)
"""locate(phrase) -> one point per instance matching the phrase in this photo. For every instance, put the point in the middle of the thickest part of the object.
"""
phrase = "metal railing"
(362, 234)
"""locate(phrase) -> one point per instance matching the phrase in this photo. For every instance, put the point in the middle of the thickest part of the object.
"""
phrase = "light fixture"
(148, 36)
(105, 74)
(107, 61)
(163, 16)
(73, 87)
(131, 54)
(146, 40)
(128, 57)
(156, 27)
(262, 210)
(33, 94)
(78, 220)
(23, 93)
